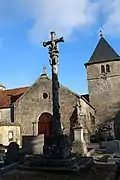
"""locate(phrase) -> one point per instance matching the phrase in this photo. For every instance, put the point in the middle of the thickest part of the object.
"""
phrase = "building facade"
(33, 110)
(103, 76)
(30, 110)
(9, 130)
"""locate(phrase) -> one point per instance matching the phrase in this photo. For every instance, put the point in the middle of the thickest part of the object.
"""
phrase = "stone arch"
(45, 124)
(107, 68)
(102, 69)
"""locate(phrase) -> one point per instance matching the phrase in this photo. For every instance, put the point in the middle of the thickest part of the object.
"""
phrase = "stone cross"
(101, 34)
(44, 70)
(53, 52)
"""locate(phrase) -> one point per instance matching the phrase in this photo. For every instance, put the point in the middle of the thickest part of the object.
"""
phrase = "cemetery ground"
(99, 171)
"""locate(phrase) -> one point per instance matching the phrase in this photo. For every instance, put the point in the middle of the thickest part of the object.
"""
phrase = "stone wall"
(10, 133)
(68, 102)
(104, 90)
(5, 115)
(88, 113)
(31, 105)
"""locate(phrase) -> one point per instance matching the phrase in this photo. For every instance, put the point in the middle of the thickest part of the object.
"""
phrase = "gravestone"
(12, 154)
(79, 144)
(112, 146)
(86, 135)
(33, 144)
(2, 155)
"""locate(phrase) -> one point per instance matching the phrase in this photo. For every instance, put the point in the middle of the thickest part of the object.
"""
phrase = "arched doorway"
(45, 124)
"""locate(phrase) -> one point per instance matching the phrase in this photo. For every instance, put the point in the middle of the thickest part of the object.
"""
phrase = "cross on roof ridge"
(44, 70)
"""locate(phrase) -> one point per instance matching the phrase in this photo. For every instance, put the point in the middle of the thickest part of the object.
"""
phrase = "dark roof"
(103, 52)
(86, 96)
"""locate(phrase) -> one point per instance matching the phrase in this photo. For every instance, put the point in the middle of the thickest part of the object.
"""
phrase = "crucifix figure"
(53, 52)
(59, 145)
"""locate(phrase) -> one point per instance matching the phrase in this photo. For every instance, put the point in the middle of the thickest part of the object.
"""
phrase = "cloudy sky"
(24, 24)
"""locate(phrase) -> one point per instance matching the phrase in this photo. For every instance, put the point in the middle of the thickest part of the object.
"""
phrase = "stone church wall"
(10, 133)
(88, 114)
(104, 90)
(32, 104)
(68, 102)
(5, 115)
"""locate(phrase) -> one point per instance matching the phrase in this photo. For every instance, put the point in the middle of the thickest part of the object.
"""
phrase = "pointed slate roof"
(103, 52)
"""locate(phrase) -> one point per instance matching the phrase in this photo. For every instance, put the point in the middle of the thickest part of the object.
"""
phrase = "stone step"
(81, 164)
(8, 168)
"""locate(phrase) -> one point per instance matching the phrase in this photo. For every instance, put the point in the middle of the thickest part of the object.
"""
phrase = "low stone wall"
(33, 144)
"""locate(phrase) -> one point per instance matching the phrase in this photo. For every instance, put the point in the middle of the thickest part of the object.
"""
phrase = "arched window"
(102, 69)
(107, 68)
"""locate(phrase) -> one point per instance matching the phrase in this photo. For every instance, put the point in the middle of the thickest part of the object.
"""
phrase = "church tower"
(103, 76)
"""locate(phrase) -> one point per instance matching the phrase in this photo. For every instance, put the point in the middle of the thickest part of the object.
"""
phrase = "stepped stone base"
(68, 164)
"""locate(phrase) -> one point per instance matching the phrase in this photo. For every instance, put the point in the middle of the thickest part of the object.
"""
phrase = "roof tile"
(10, 95)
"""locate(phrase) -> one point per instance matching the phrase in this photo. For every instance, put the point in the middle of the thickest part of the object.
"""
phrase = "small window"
(10, 136)
(107, 68)
(45, 95)
(102, 69)
(12, 113)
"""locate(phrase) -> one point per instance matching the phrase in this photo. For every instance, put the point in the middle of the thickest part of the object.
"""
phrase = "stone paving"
(98, 171)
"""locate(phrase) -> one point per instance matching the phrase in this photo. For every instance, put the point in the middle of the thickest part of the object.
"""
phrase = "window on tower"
(107, 68)
(102, 69)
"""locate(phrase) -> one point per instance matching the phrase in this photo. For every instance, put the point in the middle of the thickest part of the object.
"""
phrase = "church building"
(103, 76)
(29, 109)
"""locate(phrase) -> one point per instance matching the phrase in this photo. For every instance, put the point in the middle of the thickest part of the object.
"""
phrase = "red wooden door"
(44, 124)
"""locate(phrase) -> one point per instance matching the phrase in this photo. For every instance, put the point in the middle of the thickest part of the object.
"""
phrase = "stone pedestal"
(58, 147)
(71, 164)
(79, 144)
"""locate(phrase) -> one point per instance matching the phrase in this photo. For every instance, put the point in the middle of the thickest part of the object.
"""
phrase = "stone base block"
(79, 148)
(69, 164)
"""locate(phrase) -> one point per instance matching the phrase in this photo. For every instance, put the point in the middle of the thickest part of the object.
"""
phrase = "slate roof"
(86, 96)
(103, 52)
(10, 96)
